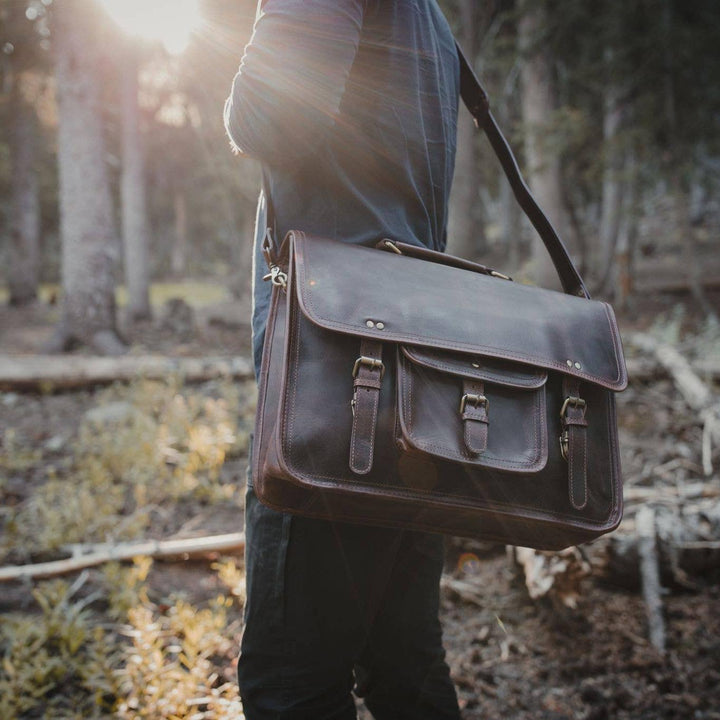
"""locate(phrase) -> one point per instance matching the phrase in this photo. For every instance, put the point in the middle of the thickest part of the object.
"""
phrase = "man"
(351, 106)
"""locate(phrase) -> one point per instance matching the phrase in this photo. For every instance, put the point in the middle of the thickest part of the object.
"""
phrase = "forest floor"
(148, 640)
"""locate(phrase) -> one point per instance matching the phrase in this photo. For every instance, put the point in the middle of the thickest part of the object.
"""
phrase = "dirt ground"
(510, 657)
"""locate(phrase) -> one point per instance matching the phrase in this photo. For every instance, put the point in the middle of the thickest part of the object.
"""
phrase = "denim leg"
(297, 649)
(320, 596)
(402, 673)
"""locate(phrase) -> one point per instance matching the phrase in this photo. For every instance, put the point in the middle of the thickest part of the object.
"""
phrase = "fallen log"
(686, 539)
(91, 555)
(697, 394)
(650, 575)
(647, 368)
(671, 494)
(694, 391)
(68, 372)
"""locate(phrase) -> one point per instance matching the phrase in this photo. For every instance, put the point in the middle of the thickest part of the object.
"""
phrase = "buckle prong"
(475, 401)
(572, 401)
(370, 362)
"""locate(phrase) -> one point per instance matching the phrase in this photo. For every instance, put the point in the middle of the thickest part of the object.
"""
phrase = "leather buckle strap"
(367, 373)
(573, 441)
(474, 409)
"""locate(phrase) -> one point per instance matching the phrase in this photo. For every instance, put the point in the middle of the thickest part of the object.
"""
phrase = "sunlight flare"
(172, 22)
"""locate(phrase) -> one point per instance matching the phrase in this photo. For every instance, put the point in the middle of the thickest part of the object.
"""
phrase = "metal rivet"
(475, 365)
(569, 363)
(370, 323)
(578, 365)
(380, 325)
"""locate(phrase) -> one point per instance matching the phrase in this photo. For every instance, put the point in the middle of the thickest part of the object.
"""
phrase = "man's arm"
(287, 92)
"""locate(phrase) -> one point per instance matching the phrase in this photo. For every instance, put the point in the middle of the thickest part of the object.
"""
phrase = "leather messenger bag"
(404, 387)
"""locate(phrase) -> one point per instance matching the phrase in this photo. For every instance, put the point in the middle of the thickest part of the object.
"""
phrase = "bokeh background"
(126, 395)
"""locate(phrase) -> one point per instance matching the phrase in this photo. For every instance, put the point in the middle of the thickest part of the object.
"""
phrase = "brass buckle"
(572, 402)
(564, 444)
(475, 401)
(501, 276)
(390, 245)
(371, 363)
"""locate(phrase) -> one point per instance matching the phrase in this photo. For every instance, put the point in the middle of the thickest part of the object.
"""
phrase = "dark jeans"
(329, 604)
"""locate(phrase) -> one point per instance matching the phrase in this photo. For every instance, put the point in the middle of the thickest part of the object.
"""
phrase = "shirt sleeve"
(286, 95)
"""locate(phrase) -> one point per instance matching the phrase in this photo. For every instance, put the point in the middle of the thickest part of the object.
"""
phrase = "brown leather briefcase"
(405, 387)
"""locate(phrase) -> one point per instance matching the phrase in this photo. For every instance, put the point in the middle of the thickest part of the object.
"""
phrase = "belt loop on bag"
(367, 373)
(573, 441)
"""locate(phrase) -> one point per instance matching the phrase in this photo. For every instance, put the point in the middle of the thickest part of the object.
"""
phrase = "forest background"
(126, 225)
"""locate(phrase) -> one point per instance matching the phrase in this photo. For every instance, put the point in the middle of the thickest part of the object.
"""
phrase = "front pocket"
(474, 410)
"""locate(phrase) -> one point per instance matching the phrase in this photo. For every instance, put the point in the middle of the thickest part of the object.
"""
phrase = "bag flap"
(362, 291)
(491, 370)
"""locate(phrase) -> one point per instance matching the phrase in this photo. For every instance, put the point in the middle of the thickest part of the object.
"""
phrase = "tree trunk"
(86, 216)
(178, 255)
(538, 105)
(611, 185)
(23, 251)
(466, 233)
(678, 167)
(134, 210)
(627, 231)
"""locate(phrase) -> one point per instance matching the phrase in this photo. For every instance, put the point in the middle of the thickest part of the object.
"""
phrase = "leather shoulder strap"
(476, 101)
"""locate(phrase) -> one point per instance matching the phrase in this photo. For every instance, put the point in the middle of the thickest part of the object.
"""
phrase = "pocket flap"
(430, 417)
(478, 368)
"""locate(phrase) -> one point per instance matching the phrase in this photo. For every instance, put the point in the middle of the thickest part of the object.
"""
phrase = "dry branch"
(650, 574)
(88, 556)
(68, 372)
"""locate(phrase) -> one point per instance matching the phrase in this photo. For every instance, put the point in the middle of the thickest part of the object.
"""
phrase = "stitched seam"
(497, 379)
(452, 454)
(578, 531)
(353, 440)
(520, 357)
(355, 429)
(468, 435)
(262, 393)
(289, 421)
(584, 468)
(400, 491)
(615, 334)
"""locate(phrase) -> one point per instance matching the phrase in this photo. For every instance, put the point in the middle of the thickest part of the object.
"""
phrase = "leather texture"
(491, 467)
(409, 388)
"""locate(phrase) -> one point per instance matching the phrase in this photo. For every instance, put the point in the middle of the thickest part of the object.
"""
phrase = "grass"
(106, 642)
(195, 292)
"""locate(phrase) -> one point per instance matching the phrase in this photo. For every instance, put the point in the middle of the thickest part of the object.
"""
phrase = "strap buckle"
(370, 362)
(572, 401)
(475, 401)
